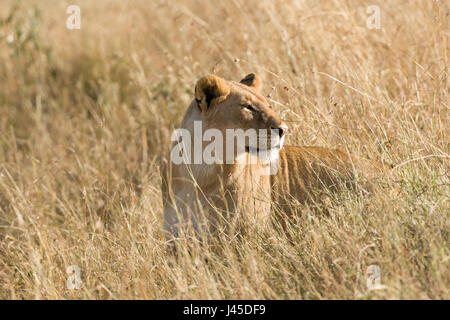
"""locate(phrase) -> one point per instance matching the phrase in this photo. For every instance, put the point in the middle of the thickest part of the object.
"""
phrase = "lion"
(197, 193)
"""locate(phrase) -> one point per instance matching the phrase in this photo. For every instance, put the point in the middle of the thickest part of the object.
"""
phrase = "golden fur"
(197, 194)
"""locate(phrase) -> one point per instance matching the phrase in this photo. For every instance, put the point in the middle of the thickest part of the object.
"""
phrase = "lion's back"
(307, 173)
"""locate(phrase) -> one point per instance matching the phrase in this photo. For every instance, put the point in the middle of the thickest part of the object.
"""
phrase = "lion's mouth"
(249, 149)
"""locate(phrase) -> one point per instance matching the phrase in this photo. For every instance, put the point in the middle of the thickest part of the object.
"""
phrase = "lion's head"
(239, 108)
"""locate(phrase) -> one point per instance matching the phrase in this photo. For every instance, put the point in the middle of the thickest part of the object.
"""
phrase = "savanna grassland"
(85, 115)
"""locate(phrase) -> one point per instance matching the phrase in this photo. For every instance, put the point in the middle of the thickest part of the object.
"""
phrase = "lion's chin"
(276, 148)
(266, 156)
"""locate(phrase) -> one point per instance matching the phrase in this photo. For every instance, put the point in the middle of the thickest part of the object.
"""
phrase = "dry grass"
(84, 114)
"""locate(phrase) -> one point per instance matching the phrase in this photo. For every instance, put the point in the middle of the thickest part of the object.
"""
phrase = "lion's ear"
(252, 80)
(209, 88)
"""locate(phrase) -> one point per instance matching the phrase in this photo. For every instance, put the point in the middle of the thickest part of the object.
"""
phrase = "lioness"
(195, 193)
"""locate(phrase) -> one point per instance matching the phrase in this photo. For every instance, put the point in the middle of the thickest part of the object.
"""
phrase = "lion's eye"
(249, 107)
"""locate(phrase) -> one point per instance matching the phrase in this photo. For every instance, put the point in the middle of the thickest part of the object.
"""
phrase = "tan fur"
(199, 193)
(306, 174)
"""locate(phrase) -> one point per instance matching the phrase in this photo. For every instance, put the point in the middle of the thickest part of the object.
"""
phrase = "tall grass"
(85, 115)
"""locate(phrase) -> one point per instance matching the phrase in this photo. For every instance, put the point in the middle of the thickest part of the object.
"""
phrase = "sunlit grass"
(86, 115)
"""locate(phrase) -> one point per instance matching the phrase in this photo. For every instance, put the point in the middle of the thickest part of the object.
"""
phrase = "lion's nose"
(281, 130)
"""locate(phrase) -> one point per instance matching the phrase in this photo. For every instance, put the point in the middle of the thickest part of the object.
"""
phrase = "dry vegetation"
(84, 115)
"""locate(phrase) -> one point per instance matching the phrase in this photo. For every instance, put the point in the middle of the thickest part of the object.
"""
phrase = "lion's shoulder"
(303, 171)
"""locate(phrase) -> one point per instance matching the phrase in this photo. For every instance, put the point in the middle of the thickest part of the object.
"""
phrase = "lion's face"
(240, 107)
